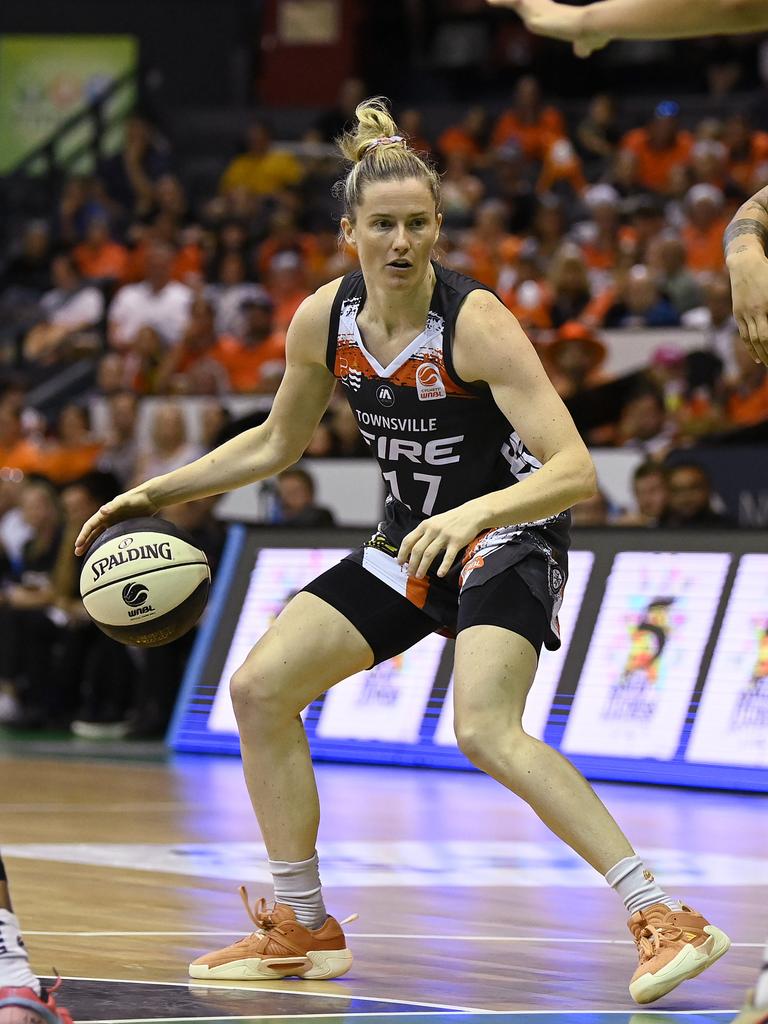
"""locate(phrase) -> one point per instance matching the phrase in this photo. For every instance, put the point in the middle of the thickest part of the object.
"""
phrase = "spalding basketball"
(144, 582)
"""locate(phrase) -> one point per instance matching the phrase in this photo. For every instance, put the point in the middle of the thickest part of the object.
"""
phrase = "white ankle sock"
(15, 971)
(297, 885)
(636, 886)
(761, 988)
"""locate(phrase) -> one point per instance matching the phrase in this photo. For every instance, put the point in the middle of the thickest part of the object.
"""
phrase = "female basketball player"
(474, 539)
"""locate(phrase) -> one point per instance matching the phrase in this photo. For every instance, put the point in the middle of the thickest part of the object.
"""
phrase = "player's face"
(394, 230)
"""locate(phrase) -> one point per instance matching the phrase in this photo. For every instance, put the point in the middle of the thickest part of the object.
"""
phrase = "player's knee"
(485, 740)
(257, 697)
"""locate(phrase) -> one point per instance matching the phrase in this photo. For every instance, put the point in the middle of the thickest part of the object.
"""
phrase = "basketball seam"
(144, 572)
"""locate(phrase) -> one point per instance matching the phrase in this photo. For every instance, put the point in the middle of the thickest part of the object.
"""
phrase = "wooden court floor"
(469, 908)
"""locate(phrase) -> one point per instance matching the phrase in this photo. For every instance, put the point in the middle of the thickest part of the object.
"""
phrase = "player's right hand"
(131, 505)
(749, 289)
(558, 21)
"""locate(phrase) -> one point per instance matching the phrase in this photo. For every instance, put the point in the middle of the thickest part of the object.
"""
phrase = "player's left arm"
(491, 346)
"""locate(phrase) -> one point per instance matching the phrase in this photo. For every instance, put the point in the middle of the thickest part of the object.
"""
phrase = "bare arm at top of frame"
(260, 452)
(591, 27)
(491, 346)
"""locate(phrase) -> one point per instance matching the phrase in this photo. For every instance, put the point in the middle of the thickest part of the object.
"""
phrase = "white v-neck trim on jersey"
(397, 362)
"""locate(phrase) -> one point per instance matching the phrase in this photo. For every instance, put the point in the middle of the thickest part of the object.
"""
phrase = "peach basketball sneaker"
(673, 945)
(279, 948)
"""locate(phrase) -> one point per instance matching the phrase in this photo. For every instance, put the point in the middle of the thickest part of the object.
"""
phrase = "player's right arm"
(745, 242)
(591, 26)
(257, 453)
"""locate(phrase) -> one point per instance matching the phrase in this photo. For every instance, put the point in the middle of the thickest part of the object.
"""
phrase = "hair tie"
(383, 140)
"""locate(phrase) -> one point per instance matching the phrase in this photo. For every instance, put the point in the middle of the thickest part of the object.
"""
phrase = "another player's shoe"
(279, 948)
(673, 945)
(24, 1006)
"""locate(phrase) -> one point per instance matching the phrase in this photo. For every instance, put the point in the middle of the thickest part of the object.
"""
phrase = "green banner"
(46, 79)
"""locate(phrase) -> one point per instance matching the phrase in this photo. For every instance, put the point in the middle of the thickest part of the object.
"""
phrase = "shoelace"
(262, 917)
(650, 940)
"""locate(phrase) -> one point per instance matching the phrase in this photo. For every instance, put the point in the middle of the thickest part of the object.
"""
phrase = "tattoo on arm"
(744, 226)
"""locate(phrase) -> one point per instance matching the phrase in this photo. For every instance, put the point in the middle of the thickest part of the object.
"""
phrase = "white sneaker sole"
(321, 963)
(690, 961)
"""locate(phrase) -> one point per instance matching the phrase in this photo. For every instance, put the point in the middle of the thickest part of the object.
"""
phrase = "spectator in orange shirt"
(527, 294)
(256, 360)
(285, 236)
(599, 237)
(74, 452)
(190, 367)
(702, 233)
(529, 122)
(561, 170)
(98, 256)
(16, 450)
(286, 283)
(747, 150)
(709, 164)
(747, 390)
(469, 137)
(486, 241)
(659, 147)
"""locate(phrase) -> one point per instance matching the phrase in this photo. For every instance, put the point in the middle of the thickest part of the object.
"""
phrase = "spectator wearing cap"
(599, 236)
(469, 137)
(255, 361)
(263, 170)
(660, 146)
(640, 303)
(529, 122)
(702, 232)
(574, 359)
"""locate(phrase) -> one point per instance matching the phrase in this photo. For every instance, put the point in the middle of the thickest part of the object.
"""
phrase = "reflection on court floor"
(119, 1002)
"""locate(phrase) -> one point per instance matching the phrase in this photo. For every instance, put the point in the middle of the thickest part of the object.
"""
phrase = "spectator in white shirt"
(157, 303)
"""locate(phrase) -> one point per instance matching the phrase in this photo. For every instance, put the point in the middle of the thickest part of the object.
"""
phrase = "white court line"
(280, 991)
(375, 935)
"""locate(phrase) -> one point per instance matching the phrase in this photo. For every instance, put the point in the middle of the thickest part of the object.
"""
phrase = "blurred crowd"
(581, 227)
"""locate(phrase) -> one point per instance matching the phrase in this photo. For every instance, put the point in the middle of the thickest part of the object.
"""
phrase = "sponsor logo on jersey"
(385, 395)
(429, 383)
(140, 553)
(134, 594)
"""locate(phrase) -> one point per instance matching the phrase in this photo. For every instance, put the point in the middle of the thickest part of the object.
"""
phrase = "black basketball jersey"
(440, 441)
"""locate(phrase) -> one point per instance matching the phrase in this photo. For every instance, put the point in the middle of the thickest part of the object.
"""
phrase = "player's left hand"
(449, 532)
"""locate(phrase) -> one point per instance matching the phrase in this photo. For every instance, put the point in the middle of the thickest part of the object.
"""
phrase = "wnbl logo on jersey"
(429, 383)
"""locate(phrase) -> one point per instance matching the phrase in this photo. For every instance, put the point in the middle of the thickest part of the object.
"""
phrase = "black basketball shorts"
(391, 623)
